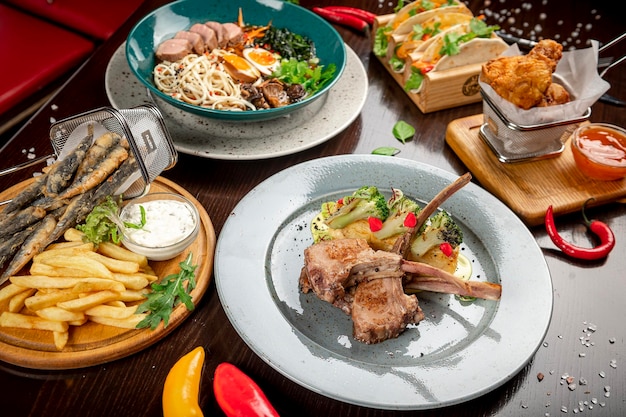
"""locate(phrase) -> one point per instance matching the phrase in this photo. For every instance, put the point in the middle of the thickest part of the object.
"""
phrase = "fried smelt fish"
(100, 148)
(29, 194)
(19, 220)
(31, 247)
(93, 176)
(61, 172)
(9, 246)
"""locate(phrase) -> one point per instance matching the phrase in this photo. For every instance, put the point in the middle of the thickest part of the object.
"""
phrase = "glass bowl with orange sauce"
(599, 150)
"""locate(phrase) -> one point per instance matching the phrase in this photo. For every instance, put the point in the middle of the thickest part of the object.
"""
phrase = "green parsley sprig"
(171, 291)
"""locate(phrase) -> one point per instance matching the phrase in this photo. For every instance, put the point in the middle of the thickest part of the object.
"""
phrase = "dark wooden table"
(585, 339)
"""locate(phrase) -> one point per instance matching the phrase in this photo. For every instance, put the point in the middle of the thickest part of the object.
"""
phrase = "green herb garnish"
(403, 131)
(312, 79)
(103, 224)
(478, 29)
(171, 291)
(386, 150)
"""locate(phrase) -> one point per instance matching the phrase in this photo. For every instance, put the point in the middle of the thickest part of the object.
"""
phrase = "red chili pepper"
(353, 11)
(600, 229)
(427, 69)
(342, 19)
(446, 248)
(410, 220)
(375, 223)
(238, 395)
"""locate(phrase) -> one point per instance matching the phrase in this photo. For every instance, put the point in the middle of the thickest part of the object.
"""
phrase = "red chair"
(34, 53)
(98, 19)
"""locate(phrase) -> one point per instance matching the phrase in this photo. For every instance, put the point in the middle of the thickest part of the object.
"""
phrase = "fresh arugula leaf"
(386, 151)
(403, 131)
(171, 291)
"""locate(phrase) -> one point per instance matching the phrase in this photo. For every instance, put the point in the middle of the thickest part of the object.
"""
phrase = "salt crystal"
(54, 107)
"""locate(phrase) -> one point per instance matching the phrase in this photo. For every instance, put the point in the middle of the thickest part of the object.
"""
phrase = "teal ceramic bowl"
(164, 22)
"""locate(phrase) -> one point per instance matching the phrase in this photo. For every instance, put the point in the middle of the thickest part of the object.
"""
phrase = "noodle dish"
(244, 61)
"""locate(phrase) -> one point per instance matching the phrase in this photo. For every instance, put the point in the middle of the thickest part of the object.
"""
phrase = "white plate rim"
(333, 117)
(242, 280)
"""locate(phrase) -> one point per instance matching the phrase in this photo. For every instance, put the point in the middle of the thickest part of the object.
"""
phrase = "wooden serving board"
(528, 188)
(94, 344)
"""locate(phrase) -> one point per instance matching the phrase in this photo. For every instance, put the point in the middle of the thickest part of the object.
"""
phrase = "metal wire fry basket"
(143, 127)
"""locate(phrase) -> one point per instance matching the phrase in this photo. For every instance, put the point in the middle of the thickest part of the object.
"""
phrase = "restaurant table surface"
(586, 336)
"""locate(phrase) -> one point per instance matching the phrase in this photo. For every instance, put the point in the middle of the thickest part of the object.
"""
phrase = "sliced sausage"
(197, 42)
(173, 49)
(234, 33)
(220, 32)
(208, 34)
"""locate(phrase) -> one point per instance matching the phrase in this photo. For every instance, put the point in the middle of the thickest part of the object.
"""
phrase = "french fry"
(39, 301)
(85, 285)
(38, 268)
(60, 339)
(42, 281)
(77, 250)
(127, 323)
(9, 291)
(91, 266)
(73, 235)
(132, 281)
(78, 322)
(17, 302)
(23, 321)
(59, 314)
(115, 265)
(64, 245)
(91, 300)
(112, 312)
(119, 252)
(115, 303)
(133, 295)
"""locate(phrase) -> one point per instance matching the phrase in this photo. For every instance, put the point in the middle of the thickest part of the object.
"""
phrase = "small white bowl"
(172, 224)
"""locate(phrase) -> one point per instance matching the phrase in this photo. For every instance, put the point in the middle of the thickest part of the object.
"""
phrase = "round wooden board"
(92, 343)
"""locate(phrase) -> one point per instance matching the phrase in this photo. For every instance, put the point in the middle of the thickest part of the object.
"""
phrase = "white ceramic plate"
(458, 352)
(212, 138)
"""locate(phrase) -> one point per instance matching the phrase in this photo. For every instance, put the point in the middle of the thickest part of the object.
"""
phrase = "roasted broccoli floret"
(440, 229)
(400, 206)
(365, 202)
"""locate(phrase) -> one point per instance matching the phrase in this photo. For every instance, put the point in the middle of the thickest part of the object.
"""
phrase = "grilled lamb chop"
(327, 267)
(380, 308)
(368, 285)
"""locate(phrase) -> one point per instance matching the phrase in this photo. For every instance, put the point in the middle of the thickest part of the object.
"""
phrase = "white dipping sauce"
(167, 222)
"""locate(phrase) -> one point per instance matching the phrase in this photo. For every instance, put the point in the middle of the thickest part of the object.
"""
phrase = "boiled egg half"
(265, 61)
(240, 69)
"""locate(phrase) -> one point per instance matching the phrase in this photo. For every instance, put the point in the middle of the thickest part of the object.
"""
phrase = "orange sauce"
(600, 151)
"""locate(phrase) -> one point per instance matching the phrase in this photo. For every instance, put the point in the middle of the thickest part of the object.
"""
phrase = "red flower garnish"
(375, 224)
(410, 220)
(446, 248)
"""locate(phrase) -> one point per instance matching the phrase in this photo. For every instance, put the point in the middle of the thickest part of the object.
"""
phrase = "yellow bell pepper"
(182, 386)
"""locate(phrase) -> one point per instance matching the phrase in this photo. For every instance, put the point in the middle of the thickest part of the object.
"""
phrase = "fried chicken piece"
(556, 94)
(524, 80)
